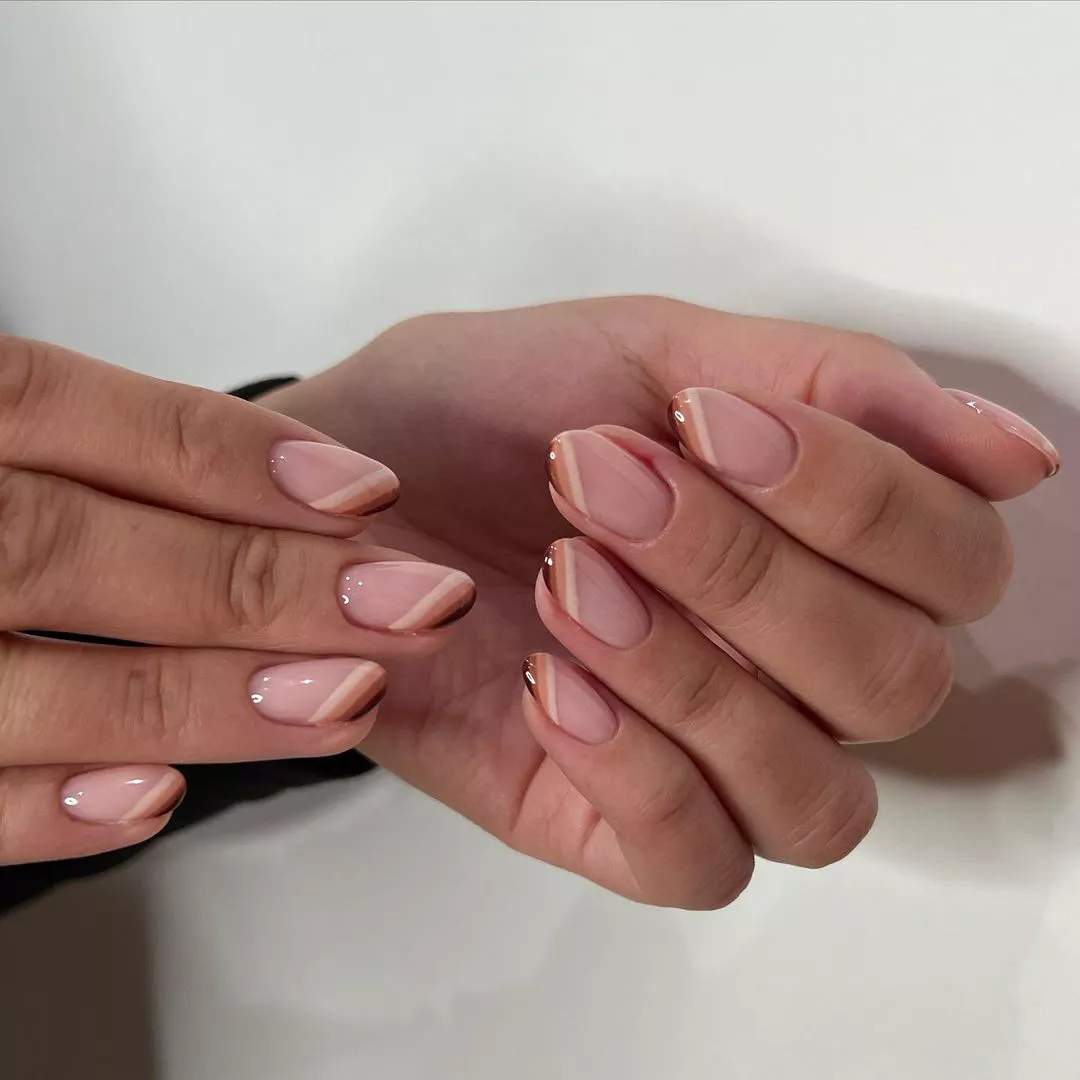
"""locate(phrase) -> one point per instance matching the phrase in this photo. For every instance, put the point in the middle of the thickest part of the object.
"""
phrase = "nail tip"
(372, 703)
(381, 507)
(176, 800)
(458, 613)
(528, 672)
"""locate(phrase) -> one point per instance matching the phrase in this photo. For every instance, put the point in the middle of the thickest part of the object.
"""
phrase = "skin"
(463, 407)
(882, 530)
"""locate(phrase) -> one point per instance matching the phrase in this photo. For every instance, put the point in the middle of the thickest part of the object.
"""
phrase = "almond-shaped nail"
(404, 596)
(609, 485)
(331, 478)
(308, 693)
(1013, 424)
(570, 702)
(589, 588)
(121, 795)
(737, 440)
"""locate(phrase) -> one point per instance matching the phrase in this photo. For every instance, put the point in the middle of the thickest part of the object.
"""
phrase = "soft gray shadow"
(75, 986)
(1007, 725)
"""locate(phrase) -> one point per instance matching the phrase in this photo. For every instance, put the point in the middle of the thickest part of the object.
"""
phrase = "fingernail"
(121, 795)
(1014, 425)
(312, 692)
(404, 595)
(740, 441)
(594, 594)
(332, 478)
(570, 702)
(608, 485)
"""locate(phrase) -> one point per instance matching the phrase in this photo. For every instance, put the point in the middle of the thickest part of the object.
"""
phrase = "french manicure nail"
(331, 478)
(404, 596)
(608, 485)
(738, 440)
(312, 692)
(121, 795)
(1014, 425)
(565, 695)
(594, 594)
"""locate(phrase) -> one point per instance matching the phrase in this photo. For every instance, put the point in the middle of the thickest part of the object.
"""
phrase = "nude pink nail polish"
(404, 596)
(562, 690)
(738, 440)
(592, 591)
(1014, 425)
(609, 485)
(124, 794)
(332, 478)
(308, 693)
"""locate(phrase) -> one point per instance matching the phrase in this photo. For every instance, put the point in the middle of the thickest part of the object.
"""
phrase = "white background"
(215, 192)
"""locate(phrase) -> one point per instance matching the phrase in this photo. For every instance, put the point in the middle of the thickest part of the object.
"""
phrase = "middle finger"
(74, 559)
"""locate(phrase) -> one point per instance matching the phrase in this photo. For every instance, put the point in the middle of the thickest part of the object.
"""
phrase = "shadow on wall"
(975, 794)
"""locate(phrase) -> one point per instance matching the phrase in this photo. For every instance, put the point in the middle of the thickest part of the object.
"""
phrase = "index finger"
(178, 446)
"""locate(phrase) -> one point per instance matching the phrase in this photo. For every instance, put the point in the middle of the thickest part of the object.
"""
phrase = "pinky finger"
(57, 812)
(678, 843)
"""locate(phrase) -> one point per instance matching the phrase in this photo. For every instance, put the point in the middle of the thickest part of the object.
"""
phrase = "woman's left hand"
(736, 612)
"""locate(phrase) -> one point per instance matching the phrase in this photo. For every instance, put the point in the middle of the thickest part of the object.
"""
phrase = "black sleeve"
(210, 788)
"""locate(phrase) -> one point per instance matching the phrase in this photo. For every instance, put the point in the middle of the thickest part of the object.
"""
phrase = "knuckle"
(26, 377)
(39, 528)
(671, 803)
(832, 823)
(187, 427)
(701, 696)
(152, 699)
(254, 592)
(724, 881)
(907, 689)
(730, 572)
(873, 515)
(987, 571)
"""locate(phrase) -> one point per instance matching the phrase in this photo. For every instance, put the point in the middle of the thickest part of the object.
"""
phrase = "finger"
(868, 664)
(858, 377)
(857, 500)
(74, 559)
(62, 704)
(53, 812)
(680, 846)
(796, 795)
(178, 446)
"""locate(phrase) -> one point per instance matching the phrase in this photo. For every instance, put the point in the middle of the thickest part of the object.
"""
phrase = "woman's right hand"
(221, 535)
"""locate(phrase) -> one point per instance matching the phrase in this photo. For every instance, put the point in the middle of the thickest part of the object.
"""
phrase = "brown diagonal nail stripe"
(539, 674)
(164, 797)
(354, 696)
(450, 600)
(368, 495)
(689, 425)
(563, 471)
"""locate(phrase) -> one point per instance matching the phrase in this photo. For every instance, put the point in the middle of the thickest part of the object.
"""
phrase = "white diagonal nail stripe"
(150, 798)
(375, 484)
(419, 613)
(346, 691)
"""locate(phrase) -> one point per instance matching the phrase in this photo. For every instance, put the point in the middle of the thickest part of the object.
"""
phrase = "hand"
(803, 537)
(220, 533)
